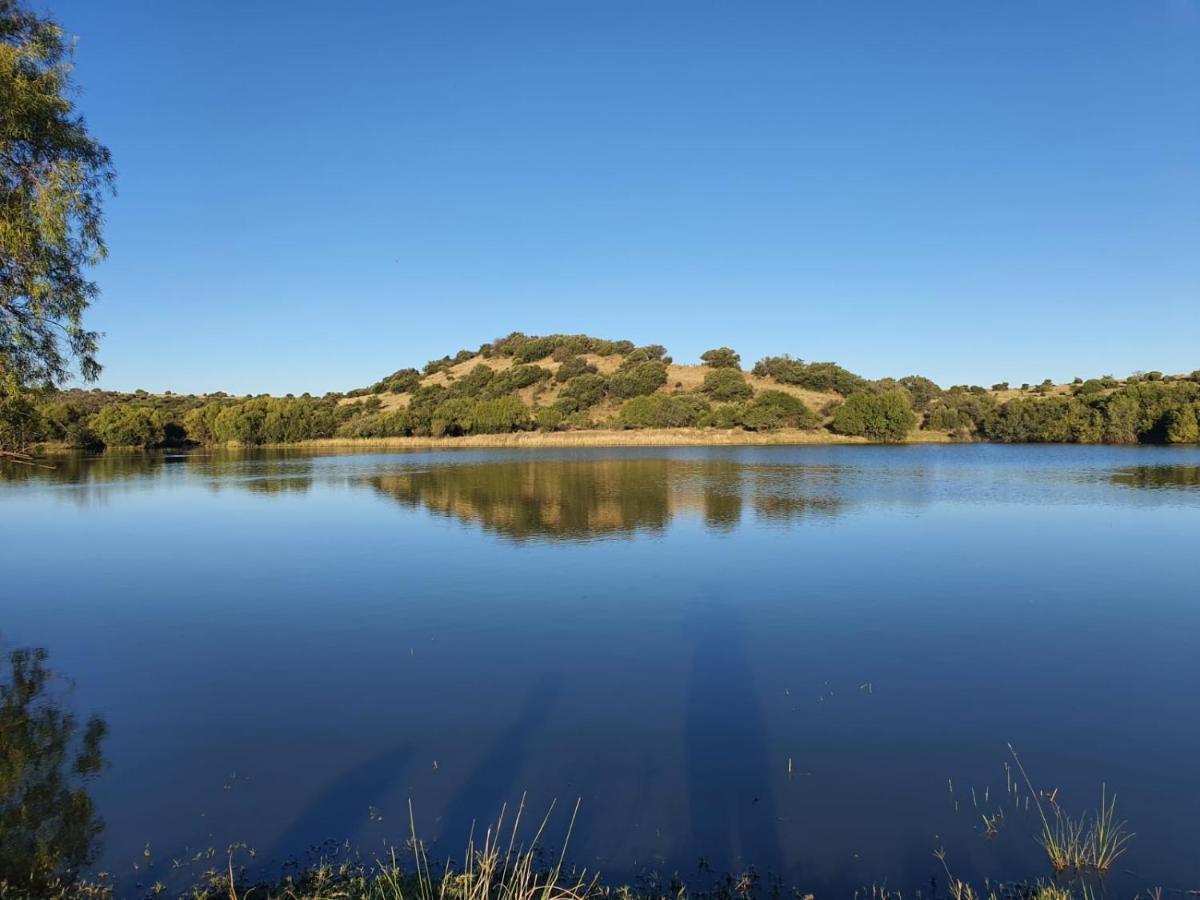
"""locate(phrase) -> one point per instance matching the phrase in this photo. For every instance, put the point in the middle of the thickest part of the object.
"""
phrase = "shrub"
(572, 366)
(581, 392)
(646, 354)
(1183, 425)
(549, 418)
(1001, 386)
(637, 379)
(721, 358)
(727, 384)
(922, 390)
(474, 383)
(127, 425)
(404, 381)
(534, 349)
(777, 409)
(820, 376)
(662, 411)
(885, 417)
(514, 379)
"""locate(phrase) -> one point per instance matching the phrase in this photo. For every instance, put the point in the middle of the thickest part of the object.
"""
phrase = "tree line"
(553, 384)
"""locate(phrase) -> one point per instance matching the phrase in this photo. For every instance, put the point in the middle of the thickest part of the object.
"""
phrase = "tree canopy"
(53, 179)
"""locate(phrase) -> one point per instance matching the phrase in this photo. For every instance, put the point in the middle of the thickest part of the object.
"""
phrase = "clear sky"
(313, 194)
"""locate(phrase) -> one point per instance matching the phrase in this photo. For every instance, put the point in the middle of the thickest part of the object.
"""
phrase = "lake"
(808, 660)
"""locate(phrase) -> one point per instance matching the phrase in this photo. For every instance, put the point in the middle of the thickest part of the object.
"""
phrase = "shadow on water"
(733, 818)
(47, 821)
(492, 783)
(339, 810)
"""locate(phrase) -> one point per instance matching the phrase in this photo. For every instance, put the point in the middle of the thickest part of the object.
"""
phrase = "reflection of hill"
(546, 498)
(581, 499)
(47, 822)
(1158, 477)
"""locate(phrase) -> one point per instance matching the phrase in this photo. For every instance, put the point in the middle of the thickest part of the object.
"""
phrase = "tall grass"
(1081, 844)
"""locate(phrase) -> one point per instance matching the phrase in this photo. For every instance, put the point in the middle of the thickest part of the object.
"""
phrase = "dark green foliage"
(1052, 420)
(534, 349)
(726, 385)
(960, 411)
(646, 354)
(54, 179)
(777, 409)
(1089, 387)
(1000, 386)
(474, 383)
(572, 366)
(438, 365)
(494, 416)
(21, 422)
(581, 392)
(923, 391)
(818, 376)
(638, 378)
(47, 819)
(516, 378)
(721, 358)
(1183, 425)
(887, 417)
(128, 425)
(405, 381)
(663, 411)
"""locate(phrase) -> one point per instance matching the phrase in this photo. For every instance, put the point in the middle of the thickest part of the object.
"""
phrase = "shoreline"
(649, 437)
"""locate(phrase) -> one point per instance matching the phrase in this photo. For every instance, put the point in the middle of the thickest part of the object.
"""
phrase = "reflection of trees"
(546, 498)
(1158, 477)
(580, 499)
(47, 822)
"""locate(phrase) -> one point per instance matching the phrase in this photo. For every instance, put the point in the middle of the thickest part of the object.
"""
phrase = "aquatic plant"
(1081, 844)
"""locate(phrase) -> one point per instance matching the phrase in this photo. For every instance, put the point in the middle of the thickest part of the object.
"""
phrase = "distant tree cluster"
(816, 376)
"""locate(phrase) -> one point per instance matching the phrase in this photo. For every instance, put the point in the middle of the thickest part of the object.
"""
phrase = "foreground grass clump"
(1081, 844)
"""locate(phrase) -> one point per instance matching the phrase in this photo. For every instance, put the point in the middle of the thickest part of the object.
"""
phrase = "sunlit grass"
(1084, 844)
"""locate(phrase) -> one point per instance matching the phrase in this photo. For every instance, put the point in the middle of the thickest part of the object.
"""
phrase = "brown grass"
(657, 437)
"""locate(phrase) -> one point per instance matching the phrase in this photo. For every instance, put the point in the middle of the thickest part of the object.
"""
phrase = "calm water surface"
(287, 648)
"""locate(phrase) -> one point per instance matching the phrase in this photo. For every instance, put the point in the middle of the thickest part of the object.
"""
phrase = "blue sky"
(312, 195)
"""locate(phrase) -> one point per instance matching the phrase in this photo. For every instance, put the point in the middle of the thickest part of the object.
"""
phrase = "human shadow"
(491, 784)
(733, 820)
(341, 808)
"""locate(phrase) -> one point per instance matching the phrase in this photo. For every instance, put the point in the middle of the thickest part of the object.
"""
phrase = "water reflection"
(586, 499)
(47, 820)
(1158, 477)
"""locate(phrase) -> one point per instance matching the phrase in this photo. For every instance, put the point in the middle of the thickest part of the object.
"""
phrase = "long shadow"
(340, 810)
(491, 784)
(733, 819)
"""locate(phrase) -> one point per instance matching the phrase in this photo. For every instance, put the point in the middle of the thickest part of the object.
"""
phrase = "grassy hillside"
(575, 389)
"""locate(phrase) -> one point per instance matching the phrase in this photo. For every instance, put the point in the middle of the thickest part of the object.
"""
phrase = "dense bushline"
(567, 382)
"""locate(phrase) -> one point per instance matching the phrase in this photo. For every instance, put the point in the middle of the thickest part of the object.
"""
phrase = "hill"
(594, 387)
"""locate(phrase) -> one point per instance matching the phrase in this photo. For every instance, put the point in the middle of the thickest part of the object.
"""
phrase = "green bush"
(727, 385)
(922, 390)
(1183, 425)
(884, 417)
(818, 376)
(581, 392)
(777, 409)
(637, 379)
(662, 411)
(572, 366)
(516, 378)
(721, 358)
(534, 349)
(128, 425)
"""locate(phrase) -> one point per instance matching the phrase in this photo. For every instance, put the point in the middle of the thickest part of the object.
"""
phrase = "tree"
(887, 417)
(53, 179)
(721, 358)
(638, 378)
(128, 425)
(727, 384)
(1183, 426)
